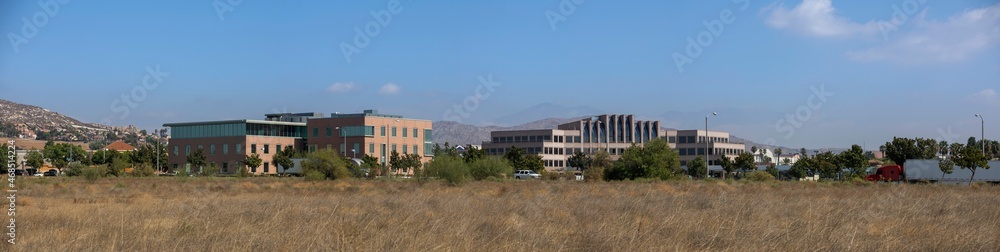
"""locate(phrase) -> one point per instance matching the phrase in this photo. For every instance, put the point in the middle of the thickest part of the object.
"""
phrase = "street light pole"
(707, 170)
(982, 132)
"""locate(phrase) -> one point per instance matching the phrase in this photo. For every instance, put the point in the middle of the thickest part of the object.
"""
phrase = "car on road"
(526, 174)
(38, 175)
(51, 173)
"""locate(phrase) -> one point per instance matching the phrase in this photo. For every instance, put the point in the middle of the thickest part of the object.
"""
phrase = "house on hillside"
(119, 146)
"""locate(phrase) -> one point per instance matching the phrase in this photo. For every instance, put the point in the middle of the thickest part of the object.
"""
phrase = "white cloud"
(816, 18)
(389, 89)
(341, 87)
(956, 39)
(986, 96)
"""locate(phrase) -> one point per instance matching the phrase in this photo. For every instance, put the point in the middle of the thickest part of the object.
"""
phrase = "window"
(671, 139)
(253, 148)
(176, 150)
(315, 132)
(267, 167)
(394, 131)
(211, 149)
(405, 148)
(393, 147)
(404, 131)
(414, 133)
(329, 147)
(415, 149)
(356, 148)
(343, 149)
(187, 150)
(225, 149)
(371, 147)
(267, 148)
(239, 148)
(277, 148)
(253, 169)
(329, 132)
(382, 130)
(312, 148)
(225, 167)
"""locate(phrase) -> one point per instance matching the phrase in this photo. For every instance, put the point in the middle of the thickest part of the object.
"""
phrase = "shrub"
(313, 175)
(93, 173)
(490, 167)
(142, 171)
(451, 169)
(210, 170)
(75, 169)
(760, 176)
(593, 174)
(327, 162)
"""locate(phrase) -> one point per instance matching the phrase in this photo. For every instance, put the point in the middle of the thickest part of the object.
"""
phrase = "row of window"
(691, 139)
(266, 149)
(711, 151)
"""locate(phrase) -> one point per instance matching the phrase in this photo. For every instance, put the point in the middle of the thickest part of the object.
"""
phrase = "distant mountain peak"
(544, 111)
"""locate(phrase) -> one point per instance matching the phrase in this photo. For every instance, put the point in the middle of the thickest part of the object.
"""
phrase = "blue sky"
(889, 68)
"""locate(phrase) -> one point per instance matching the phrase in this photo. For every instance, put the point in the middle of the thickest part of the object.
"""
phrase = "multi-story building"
(226, 143)
(371, 133)
(611, 133)
(690, 144)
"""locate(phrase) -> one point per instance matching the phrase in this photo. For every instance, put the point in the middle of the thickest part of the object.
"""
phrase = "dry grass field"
(274, 214)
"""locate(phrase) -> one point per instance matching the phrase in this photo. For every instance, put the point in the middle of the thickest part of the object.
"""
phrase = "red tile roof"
(120, 146)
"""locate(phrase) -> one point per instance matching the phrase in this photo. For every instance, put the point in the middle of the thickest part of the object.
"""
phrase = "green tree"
(413, 162)
(901, 149)
(826, 164)
(654, 160)
(35, 159)
(4, 158)
(327, 162)
(396, 163)
(472, 154)
(514, 156)
(855, 161)
(579, 161)
(744, 163)
(283, 159)
(197, 159)
(253, 161)
(490, 167)
(971, 157)
(947, 166)
(727, 165)
(450, 168)
(117, 166)
(370, 165)
(61, 154)
(696, 169)
(777, 155)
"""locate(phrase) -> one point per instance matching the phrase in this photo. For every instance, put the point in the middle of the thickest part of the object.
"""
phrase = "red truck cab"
(887, 173)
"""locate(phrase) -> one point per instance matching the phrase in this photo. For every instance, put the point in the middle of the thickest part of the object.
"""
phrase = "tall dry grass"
(270, 214)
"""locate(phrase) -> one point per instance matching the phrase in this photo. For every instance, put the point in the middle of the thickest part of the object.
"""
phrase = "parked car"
(38, 175)
(51, 173)
(526, 174)
(20, 172)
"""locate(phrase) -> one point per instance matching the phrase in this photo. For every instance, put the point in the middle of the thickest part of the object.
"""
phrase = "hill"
(29, 122)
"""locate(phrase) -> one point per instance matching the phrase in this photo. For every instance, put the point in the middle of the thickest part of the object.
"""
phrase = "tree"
(197, 159)
(826, 164)
(283, 159)
(970, 157)
(696, 169)
(521, 161)
(413, 161)
(579, 161)
(253, 161)
(786, 161)
(533, 162)
(854, 160)
(4, 158)
(327, 162)
(61, 154)
(370, 165)
(117, 166)
(727, 165)
(801, 168)
(396, 163)
(472, 154)
(947, 166)
(803, 152)
(599, 162)
(753, 149)
(744, 162)
(653, 160)
(35, 159)
(901, 149)
(514, 156)
(777, 155)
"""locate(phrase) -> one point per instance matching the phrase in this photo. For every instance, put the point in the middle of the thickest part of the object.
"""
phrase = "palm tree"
(753, 149)
(777, 154)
